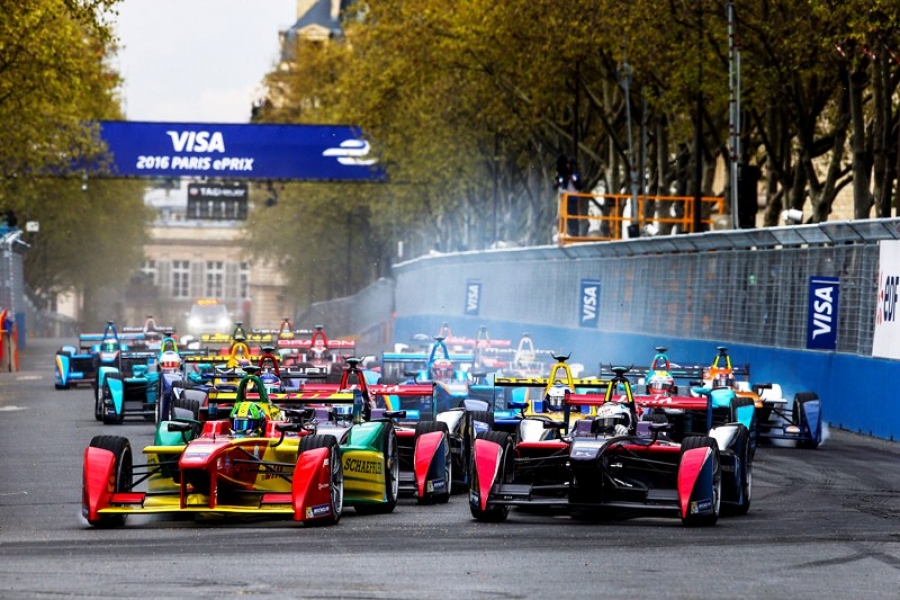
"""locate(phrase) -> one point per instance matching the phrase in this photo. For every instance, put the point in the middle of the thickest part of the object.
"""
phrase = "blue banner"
(473, 297)
(235, 151)
(589, 313)
(821, 327)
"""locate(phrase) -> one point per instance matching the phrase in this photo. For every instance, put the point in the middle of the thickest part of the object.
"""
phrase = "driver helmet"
(270, 381)
(442, 370)
(109, 346)
(319, 355)
(555, 399)
(660, 383)
(170, 361)
(247, 419)
(723, 380)
(614, 419)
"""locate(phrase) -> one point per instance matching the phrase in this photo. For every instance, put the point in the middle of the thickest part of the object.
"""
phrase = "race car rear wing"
(584, 382)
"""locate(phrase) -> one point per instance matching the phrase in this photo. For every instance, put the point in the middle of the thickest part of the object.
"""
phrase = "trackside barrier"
(746, 289)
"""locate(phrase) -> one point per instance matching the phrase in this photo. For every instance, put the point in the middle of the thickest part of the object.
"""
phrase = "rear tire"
(122, 473)
(106, 401)
(391, 476)
(703, 441)
(494, 514)
(186, 405)
(336, 500)
(745, 457)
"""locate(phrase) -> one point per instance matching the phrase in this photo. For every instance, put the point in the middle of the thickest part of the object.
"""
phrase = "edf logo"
(589, 310)
(887, 299)
(473, 297)
(821, 326)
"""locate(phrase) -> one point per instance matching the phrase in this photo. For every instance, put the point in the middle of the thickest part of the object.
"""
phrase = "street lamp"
(626, 75)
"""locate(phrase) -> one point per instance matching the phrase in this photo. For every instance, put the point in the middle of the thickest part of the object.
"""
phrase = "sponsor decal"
(590, 303)
(274, 472)
(364, 467)
(821, 330)
(887, 325)
(429, 487)
(473, 297)
(324, 486)
(701, 506)
(321, 510)
(474, 498)
(303, 152)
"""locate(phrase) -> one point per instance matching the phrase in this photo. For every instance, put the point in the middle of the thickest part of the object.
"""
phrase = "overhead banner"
(473, 297)
(886, 339)
(821, 326)
(236, 151)
(589, 315)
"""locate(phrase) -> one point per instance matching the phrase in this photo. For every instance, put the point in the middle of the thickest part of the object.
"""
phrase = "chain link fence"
(745, 286)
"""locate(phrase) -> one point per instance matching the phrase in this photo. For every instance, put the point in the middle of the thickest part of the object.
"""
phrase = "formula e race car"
(433, 448)
(531, 402)
(732, 400)
(318, 351)
(608, 466)
(256, 463)
(79, 365)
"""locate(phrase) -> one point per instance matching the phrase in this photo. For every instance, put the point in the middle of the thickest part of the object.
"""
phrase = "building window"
(150, 272)
(245, 280)
(181, 278)
(215, 279)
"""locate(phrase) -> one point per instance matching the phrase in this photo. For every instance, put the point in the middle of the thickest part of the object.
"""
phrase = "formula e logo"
(887, 299)
(197, 141)
(352, 153)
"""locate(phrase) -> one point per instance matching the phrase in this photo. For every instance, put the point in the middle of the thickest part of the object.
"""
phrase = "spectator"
(569, 181)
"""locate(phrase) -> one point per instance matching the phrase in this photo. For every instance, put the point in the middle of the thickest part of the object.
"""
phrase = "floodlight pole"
(626, 74)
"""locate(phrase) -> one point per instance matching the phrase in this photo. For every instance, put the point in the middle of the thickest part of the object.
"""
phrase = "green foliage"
(55, 80)
(468, 104)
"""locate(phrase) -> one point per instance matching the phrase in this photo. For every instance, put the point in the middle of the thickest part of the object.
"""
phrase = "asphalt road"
(824, 524)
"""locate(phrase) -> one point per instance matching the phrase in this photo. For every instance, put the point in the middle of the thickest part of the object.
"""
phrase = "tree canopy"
(468, 104)
(56, 80)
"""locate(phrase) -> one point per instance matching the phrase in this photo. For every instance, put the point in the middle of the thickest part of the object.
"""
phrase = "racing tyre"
(799, 415)
(494, 513)
(122, 472)
(98, 402)
(180, 406)
(422, 428)
(753, 428)
(744, 454)
(105, 401)
(702, 441)
(475, 419)
(391, 476)
(336, 501)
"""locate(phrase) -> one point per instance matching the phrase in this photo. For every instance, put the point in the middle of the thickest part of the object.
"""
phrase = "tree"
(55, 81)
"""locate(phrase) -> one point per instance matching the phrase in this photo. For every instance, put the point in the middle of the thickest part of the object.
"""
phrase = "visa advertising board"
(234, 151)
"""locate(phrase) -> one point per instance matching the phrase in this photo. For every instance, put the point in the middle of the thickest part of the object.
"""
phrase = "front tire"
(494, 513)
(336, 498)
(422, 428)
(702, 441)
(122, 473)
(797, 412)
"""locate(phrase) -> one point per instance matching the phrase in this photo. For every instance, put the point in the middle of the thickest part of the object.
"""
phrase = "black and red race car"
(624, 462)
